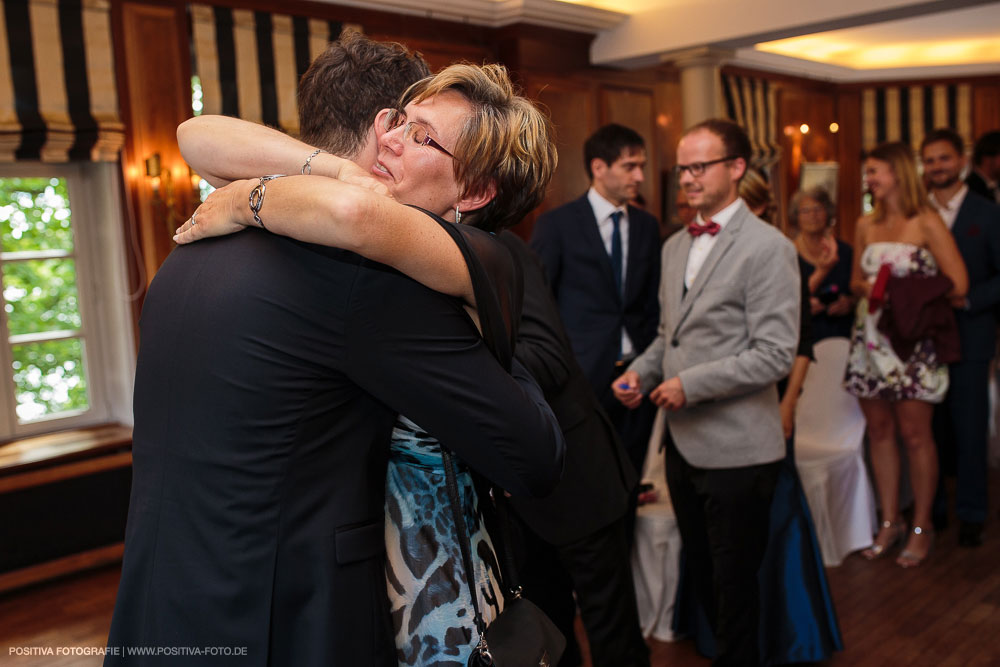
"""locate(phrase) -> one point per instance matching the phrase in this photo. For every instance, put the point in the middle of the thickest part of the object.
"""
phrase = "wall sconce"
(162, 183)
(834, 128)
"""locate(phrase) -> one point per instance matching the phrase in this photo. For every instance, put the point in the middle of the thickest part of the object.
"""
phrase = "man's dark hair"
(347, 85)
(987, 145)
(735, 142)
(944, 134)
(608, 144)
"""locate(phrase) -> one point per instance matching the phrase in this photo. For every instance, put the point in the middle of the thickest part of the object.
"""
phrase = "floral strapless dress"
(873, 368)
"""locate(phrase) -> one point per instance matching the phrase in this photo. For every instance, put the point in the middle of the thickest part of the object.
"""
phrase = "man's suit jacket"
(730, 338)
(978, 185)
(268, 380)
(579, 272)
(597, 476)
(977, 234)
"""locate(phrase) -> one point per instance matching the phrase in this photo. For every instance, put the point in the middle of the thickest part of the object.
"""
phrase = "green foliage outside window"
(49, 378)
(35, 214)
(40, 297)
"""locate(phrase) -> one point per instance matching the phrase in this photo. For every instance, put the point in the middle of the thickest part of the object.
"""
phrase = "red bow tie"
(710, 228)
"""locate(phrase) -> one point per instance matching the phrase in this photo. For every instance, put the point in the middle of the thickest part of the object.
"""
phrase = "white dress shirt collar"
(604, 208)
(949, 210)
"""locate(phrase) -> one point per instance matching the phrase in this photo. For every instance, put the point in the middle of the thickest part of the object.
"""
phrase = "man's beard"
(938, 185)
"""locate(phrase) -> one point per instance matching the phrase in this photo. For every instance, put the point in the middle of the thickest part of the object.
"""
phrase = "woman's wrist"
(243, 213)
(325, 164)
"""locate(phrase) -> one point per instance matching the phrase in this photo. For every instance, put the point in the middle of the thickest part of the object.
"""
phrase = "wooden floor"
(944, 613)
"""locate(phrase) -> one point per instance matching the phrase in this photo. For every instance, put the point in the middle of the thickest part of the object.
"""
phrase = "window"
(65, 328)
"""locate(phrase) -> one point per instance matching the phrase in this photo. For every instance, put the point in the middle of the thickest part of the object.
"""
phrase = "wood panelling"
(154, 75)
(541, 51)
(986, 106)
(571, 108)
(849, 156)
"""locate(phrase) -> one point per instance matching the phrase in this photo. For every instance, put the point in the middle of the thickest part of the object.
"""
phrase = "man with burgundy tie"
(728, 332)
(602, 261)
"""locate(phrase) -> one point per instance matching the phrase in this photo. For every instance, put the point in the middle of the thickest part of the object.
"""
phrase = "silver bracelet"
(307, 167)
(257, 198)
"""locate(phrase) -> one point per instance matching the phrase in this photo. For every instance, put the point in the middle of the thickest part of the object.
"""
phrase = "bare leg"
(885, 464)
(915, 426)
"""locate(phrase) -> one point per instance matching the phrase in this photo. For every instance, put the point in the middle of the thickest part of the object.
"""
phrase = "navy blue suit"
(575, 538)
(579, 272)
(963, 442)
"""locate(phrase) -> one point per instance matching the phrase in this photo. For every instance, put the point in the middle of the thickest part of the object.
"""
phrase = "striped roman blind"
(250, 62)
(908, 113)
(58, 95)
(751, 102)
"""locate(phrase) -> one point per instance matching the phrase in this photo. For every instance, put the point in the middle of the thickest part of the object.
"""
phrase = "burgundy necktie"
(710, 228)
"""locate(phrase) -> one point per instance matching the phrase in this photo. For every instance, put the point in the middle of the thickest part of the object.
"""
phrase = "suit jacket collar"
(727, 236)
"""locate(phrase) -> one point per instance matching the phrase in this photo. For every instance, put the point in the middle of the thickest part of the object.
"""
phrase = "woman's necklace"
(810, 246)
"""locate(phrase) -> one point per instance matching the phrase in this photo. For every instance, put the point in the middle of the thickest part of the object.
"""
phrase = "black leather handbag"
(522, 635)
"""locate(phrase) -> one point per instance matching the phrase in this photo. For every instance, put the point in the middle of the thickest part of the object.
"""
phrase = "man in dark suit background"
(269, 377)
(575, 538)
(962, 421)
(602, 260)
(984, 177)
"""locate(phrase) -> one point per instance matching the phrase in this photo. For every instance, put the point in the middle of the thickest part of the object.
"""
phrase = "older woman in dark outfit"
(813, 214)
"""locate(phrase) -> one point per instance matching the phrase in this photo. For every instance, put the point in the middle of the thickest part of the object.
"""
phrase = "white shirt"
(702, 245)
(949, 210)
(605, 227)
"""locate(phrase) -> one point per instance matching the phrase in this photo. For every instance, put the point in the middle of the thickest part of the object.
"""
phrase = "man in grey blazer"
(729, 326)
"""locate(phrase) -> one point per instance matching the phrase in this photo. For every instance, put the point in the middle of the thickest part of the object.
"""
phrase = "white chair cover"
(829, 431)
(657, 549)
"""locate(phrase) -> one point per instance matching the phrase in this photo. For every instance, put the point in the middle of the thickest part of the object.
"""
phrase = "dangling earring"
(458, 215)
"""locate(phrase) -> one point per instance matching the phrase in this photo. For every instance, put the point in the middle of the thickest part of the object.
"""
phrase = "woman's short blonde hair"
(507, 142)
(912, 194)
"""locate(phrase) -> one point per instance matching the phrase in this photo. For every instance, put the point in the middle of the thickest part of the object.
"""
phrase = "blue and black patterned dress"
(432, 611)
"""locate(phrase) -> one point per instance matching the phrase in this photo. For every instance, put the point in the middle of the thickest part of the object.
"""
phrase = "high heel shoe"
(894, 532)
(910, 558)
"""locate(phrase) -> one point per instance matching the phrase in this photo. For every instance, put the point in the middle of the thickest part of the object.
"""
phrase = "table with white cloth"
(657, 549)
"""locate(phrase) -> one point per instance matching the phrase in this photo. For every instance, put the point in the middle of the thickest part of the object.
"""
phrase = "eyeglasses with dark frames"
(412, 130)
(698, 168)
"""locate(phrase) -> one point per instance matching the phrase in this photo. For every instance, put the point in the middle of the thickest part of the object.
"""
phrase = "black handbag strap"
(464, 541)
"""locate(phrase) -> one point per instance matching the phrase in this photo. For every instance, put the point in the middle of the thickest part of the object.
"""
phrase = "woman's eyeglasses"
(412, 130)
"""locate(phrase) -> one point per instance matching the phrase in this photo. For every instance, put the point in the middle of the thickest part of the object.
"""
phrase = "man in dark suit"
(575, 537)
(601, 257)
(269, 376)
(728, 333)
(984, 177)
(962, 421)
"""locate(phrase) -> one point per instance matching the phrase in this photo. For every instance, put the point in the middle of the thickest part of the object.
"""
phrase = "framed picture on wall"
(823, 174)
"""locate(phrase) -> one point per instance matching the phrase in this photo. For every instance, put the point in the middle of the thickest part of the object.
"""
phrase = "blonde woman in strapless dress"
(906, 233)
